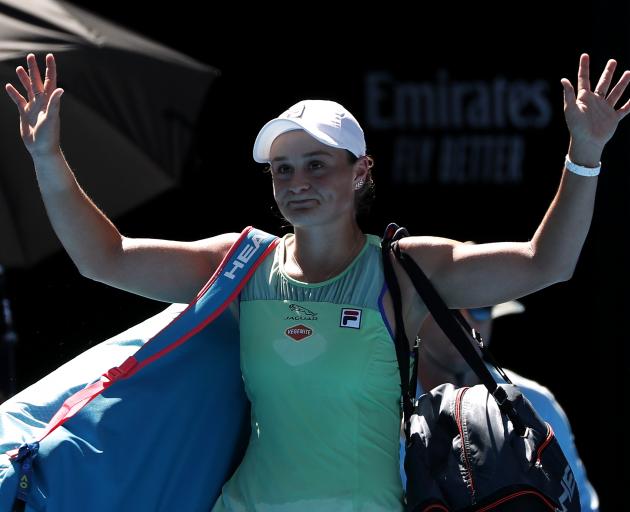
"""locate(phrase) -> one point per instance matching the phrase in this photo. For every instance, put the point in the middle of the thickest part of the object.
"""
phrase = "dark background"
(571, 337)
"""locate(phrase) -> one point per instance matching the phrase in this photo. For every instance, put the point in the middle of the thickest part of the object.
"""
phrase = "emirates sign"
(298, 332)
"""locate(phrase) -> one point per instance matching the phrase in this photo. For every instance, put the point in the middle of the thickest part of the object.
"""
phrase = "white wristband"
(580, 169)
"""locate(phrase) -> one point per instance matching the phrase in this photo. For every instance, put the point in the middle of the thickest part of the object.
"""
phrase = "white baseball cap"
(499, 310)
(327, 121)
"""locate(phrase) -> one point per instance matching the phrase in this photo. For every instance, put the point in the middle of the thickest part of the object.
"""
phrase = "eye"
(282, 170)
(316, 165)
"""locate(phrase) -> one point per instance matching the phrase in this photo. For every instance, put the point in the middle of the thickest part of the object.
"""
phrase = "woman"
(318, 361)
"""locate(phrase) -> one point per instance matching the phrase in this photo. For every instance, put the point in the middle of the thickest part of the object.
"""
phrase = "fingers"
(50, 83)
(34, 75)
(25, 81)
(17, 98)
(32, 80)
(584, 81)
(619, 89)
(54, 101)
(601, 89)
(623, 111)
(569, 93)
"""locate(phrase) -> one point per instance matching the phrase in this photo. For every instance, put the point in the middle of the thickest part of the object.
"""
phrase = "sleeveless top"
(320, 370)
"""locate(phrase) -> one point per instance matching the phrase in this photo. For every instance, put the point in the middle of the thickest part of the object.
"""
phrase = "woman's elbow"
(560, 273)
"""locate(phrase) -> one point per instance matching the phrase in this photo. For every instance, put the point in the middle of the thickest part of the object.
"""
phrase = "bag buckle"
(478, 338)
(499, 395)
(120, 372)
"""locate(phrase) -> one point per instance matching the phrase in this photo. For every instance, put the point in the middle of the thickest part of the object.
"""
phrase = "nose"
(299, 182)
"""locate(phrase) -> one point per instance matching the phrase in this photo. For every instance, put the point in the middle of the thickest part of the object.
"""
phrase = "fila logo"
(350, 318)
(245, 255)
(298, 332)
(568, 484)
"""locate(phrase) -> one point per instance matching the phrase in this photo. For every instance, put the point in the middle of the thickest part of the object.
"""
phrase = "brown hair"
(364, 197)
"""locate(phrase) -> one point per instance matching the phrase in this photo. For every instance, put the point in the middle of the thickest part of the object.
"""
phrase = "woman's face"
(312, 183)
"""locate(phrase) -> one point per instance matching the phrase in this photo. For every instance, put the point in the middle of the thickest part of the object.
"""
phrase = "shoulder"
(530, 385)
(218, 243)
(422, 244)
(541, 398)
(432, 252)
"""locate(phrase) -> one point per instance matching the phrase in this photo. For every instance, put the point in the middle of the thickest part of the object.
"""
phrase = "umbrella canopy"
(128, 117)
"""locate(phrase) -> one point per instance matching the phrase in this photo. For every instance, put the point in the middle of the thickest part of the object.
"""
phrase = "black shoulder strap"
(450, 321)
(400, 337)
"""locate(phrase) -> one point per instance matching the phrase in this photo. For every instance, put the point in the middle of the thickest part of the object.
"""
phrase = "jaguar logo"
(301, 313)
(301, 309)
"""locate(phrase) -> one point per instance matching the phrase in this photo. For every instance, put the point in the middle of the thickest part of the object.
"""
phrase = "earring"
(358, 185)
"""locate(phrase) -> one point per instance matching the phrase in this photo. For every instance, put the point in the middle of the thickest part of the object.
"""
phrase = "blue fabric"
(164, 439)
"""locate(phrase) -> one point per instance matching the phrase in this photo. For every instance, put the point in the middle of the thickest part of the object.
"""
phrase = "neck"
(317, 254)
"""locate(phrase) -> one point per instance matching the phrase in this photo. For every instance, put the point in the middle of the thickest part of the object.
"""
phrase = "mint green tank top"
(320, 369)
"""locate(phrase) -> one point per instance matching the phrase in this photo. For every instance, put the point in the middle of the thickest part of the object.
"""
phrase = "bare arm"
(165, 270)
(85, 232)
(486, 274)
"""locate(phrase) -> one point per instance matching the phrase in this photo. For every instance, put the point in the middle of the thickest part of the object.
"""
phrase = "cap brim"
(276, 127)
(507, 308)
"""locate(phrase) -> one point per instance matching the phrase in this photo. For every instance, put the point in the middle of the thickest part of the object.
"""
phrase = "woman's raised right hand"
(39, 114)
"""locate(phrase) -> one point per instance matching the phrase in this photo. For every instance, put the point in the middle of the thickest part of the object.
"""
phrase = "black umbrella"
(128, 117)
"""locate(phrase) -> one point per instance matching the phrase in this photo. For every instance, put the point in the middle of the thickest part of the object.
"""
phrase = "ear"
(361, 169)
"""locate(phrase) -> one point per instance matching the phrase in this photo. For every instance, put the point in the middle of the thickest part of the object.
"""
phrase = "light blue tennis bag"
(132, 424)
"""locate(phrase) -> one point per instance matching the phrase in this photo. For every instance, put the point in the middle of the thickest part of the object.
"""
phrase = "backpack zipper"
(464, 441)
(550, 435)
